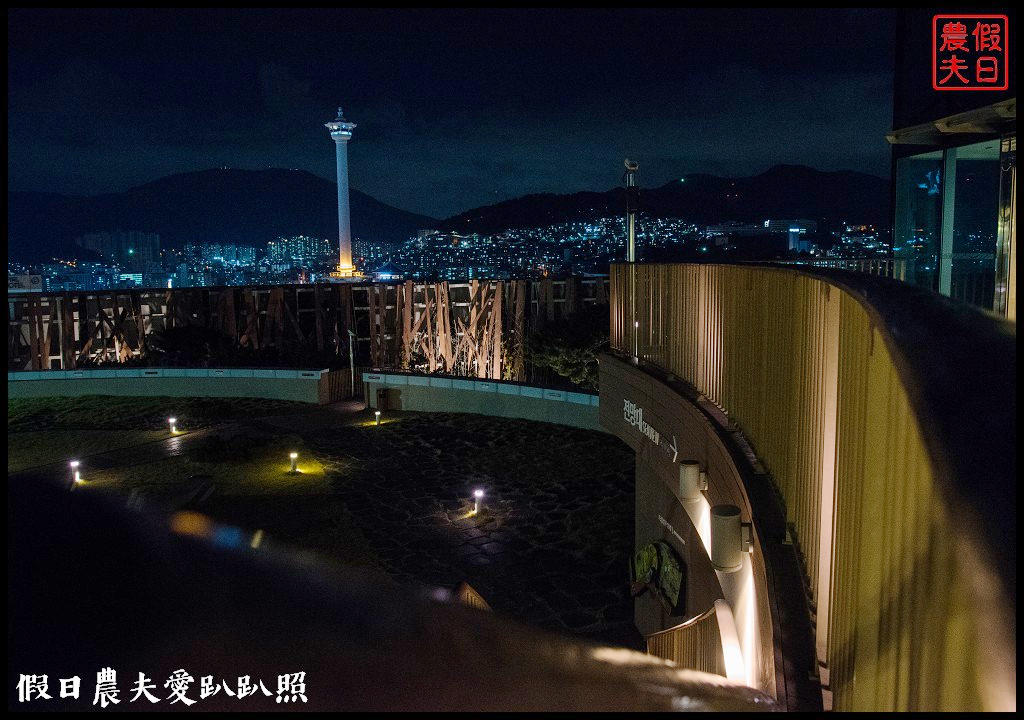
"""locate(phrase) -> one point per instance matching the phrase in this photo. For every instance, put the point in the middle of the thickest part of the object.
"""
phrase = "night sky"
(455, 109)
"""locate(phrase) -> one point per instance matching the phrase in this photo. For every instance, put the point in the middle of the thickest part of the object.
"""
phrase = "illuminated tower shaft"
(341, 133)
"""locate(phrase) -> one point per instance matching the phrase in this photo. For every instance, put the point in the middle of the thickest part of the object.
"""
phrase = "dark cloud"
(454, 109)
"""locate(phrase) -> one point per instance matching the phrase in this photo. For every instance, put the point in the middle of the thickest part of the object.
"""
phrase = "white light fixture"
(295, 461)
(377, 415)
(726, 538)
(690, 481)
(173, 422)
(76, 476)
(477, 494)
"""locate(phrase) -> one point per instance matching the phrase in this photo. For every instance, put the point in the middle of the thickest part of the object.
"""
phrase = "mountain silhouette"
(782, 192)
(240, 207)
(250, 207)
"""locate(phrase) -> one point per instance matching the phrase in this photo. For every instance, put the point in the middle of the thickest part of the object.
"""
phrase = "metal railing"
(889, 460)
(972, 285)
(895, 268)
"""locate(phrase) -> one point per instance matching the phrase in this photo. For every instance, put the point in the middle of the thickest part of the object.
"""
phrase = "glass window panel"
(975, 223)
(919, 217)
(1006, 249)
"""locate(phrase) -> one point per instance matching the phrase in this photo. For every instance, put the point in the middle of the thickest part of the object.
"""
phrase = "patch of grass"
(243, 446)
(31, 449)
(243, 463)
(137, 413)
(254, 490)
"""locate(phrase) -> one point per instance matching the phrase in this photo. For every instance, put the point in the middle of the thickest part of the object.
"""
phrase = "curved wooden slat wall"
(695, 644)
(897, 628)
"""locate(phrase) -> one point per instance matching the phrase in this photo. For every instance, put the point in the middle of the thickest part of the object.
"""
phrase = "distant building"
(369, 255)
(798, 243)
(737, 229)
(388, 273)
(157, 279)
(133, 251)
(78, 276)
(245, 256)
(24, 283)
(129, 279)
(211, 253)
(300, 250)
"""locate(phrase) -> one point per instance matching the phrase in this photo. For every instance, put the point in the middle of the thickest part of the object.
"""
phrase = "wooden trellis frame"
(476, 328)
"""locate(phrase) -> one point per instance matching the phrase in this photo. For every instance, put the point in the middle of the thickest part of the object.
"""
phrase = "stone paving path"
(551, 544)
(125, 457)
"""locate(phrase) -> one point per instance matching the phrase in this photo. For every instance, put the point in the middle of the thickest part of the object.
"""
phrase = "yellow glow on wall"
(699, 511)
(735, 668)
(833, 422)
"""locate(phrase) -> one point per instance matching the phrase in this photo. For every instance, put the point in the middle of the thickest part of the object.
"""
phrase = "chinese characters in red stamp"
(970, 52)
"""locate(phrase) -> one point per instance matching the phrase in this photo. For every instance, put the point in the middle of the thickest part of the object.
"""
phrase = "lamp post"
(295, 461)
(477, 494)
(376, 414)
(351, 361)
(173, 422)
(632, 203)
(76, 476)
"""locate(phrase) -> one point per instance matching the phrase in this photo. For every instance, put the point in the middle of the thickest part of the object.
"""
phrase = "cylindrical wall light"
(295, 461)
(726, 538)
(691, 480)
(477, 494)
(76, 476)
(376, 414)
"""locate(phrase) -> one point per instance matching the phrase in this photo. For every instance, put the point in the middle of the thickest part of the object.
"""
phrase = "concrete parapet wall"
(427, 393)
(308, 386)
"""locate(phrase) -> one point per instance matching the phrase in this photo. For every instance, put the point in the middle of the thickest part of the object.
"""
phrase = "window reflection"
(954, 250)
(919, 216)
(975, 223)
